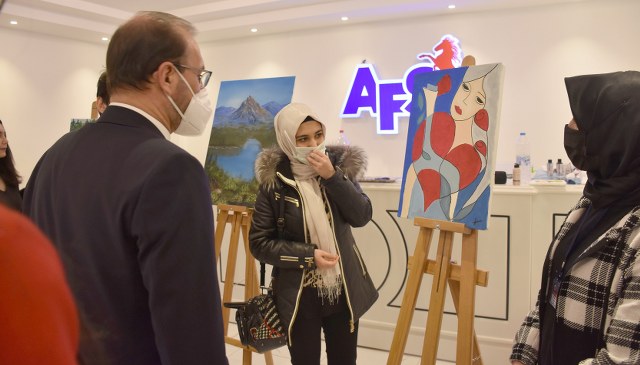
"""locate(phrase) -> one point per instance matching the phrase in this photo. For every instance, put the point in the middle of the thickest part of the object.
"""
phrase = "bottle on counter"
(342, 139)
(549, 167)
(523, 157)
(516, 174)
(560, 169)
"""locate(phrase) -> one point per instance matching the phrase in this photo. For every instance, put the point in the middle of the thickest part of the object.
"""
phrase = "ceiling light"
(452, 6)
(13, 22)
(253, 30)
(105, 39)
(344, 18)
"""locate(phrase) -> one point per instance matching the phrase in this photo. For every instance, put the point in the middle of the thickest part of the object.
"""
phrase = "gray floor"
(366, 356)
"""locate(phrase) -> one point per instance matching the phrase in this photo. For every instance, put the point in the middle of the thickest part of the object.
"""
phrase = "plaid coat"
(610, 265)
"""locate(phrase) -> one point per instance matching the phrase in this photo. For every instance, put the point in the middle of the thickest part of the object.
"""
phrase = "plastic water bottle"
(523, 157)
(342, 139)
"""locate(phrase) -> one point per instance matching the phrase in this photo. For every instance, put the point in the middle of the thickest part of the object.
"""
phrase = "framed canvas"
(451, 145)
(242, 127)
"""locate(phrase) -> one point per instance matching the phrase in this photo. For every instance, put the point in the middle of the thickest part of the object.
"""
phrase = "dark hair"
(141, 44)
(102, 91)
(8, 172)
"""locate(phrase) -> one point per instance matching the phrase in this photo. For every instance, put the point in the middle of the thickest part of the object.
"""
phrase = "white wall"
(47, 81)
(44, 83)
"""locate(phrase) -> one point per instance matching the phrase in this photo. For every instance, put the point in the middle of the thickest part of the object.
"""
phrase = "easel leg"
(436, 304)
(252, 285)
(416, 272)
(454, 285)
(231, 268)
(466, 309)
(222, 218)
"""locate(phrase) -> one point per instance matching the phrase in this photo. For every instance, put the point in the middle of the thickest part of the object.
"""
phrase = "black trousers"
(312, 318)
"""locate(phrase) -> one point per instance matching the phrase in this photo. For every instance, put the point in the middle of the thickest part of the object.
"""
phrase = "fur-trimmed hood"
(352, 160)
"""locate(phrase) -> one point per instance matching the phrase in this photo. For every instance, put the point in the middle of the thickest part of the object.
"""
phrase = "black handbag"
(258, 322)
(259, 325)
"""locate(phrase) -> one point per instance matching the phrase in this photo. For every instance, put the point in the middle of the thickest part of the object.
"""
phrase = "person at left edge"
(9, 178)
(38, 318)
(130, 212)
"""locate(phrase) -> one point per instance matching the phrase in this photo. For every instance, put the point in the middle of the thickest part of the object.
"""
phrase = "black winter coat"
(291, 254)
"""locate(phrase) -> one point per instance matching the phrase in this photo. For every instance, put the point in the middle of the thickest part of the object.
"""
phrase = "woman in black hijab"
(588, 309)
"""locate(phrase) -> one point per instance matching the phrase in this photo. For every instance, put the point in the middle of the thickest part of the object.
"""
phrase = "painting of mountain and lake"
(242, 127)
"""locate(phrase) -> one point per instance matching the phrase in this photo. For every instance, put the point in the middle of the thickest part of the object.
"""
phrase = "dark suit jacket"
(131, 216)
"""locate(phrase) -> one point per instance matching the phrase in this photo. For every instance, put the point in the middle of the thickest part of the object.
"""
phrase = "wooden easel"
(94, 110)
(240, 219)
(462, 280)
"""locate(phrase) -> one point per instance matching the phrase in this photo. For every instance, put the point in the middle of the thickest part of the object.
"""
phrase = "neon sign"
(387, 100)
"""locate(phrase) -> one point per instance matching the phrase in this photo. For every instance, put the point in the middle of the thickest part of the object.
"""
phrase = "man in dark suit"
(130, 212)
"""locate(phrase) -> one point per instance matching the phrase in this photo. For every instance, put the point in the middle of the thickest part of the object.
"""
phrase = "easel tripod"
(462, 280)
(239, 217)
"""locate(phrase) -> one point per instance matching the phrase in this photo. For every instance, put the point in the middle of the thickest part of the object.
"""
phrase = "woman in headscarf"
(588, 309)
(308, 201)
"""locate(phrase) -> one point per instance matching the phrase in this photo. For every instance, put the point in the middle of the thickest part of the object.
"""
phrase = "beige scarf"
(320, 231)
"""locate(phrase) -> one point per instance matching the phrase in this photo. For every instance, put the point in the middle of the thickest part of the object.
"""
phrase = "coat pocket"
(364, 270)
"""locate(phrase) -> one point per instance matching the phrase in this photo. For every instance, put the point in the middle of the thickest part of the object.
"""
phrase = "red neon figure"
(448, 52)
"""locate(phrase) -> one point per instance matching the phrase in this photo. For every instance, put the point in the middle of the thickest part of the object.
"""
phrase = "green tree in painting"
(229, 190)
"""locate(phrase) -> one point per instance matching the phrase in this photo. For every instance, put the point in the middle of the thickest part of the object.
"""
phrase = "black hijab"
(606, 108)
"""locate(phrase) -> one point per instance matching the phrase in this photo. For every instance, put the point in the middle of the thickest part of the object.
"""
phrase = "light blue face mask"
(303, 152)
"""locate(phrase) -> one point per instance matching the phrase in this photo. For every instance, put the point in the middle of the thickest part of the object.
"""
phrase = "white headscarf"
(286, 124)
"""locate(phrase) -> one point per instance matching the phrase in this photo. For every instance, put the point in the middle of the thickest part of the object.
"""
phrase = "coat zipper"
(304, 226)
(344, 278)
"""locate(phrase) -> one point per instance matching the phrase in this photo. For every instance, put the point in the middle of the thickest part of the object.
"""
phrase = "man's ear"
(165, 76)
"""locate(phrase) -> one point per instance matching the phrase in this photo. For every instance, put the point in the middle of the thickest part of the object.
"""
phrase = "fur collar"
(352, 160)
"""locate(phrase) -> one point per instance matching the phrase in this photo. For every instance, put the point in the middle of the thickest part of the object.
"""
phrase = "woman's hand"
(321, 163)
(324, 259)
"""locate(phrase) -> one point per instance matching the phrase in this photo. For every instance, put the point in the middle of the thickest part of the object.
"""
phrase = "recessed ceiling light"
(253, 30)
(13, 22)
(105, 39)
(344, 18)
(452, 6)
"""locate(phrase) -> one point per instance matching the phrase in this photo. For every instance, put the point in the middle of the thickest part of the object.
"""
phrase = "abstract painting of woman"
(451, 143)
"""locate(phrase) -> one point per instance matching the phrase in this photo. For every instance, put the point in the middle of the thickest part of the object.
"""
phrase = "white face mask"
(303, 152)
(198, 112)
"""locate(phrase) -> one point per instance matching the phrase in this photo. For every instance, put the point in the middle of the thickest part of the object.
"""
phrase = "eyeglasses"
(203, 75)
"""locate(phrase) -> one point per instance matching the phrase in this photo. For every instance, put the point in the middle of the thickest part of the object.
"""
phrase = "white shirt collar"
(165, 132)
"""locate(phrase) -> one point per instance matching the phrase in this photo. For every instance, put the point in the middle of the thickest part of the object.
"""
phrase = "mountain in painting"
(223, 112)
(273, 107)
(249, 113)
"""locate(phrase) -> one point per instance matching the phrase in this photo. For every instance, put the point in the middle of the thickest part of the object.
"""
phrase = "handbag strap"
(280, 225)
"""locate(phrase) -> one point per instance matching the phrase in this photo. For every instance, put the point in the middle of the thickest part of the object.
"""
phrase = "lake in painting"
(237, 162)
